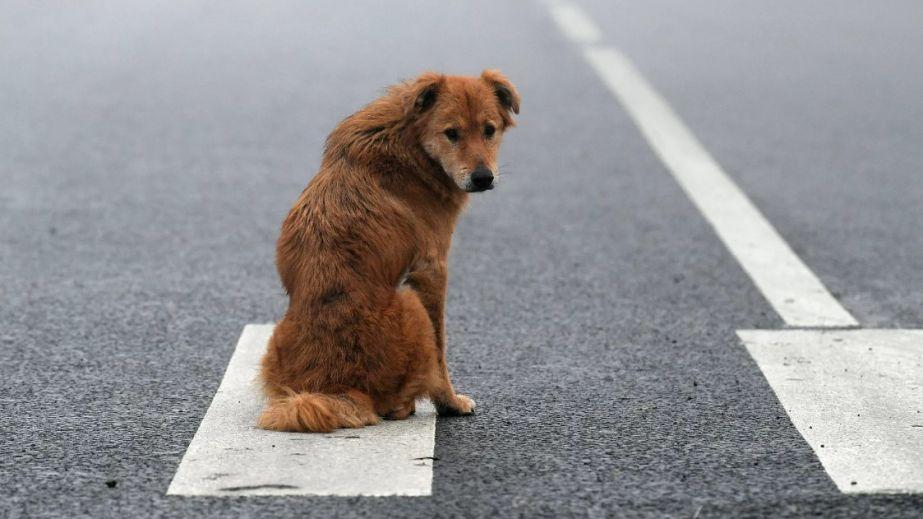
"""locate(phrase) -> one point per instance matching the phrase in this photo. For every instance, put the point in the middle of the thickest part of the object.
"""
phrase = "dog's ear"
(422, 92)
(506, 93)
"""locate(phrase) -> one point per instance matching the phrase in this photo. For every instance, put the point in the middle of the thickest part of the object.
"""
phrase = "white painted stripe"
(229, 456)
(857, 398)
(574, 23)
(786, 282)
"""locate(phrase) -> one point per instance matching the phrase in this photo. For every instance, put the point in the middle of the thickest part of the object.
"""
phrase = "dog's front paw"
(460, 405)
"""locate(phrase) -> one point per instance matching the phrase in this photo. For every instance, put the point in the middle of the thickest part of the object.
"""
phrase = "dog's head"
(461, 121)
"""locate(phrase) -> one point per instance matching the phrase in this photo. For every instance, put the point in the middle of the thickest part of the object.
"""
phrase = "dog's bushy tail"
(318, 412)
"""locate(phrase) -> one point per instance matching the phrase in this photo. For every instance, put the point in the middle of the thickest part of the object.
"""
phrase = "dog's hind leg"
(402, 412)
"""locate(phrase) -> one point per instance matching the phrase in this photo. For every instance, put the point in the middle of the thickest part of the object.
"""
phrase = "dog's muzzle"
(481, 179)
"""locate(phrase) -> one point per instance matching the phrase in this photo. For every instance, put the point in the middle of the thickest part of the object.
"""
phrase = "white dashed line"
(785, 281)
(575, 23)
(229, 456)
(854, 395)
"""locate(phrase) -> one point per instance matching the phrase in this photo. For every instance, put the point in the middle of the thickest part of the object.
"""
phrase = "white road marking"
(785, 281)
(854, 395)
(575, 23)
(229, 456)
(857, 398)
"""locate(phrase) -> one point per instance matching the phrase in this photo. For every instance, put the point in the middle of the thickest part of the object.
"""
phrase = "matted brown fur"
(362, 255)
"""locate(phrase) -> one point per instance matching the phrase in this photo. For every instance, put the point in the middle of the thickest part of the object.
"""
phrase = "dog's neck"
(381, 141)
(416, 176)
(431, 174)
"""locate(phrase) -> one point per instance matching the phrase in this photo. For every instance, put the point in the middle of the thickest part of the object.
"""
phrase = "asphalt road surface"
(149, 151)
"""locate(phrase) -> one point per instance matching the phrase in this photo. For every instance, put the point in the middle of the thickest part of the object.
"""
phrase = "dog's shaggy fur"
(362, 255)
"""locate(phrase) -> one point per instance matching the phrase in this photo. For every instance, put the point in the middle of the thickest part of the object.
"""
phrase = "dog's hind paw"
(402, 412)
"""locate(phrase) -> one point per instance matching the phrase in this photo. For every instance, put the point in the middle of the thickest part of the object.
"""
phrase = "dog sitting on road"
(362, 255)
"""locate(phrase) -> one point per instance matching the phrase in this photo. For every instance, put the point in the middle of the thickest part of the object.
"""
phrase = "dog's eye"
(489, 130)
(451, 134)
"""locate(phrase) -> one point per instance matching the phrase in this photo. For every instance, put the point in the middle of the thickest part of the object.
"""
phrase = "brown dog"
(362, 255)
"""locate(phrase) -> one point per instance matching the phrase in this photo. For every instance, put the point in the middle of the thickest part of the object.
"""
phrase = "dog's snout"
(481, 179)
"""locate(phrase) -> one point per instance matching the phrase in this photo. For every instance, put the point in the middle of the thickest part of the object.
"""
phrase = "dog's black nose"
(481, 179)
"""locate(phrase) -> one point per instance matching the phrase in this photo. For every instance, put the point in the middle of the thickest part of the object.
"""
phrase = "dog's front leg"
(429, 281)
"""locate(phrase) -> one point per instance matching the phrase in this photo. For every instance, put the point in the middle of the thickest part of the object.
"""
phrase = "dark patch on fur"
(332, 295)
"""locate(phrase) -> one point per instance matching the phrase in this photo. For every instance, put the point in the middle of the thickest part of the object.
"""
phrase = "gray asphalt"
(148, 154)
